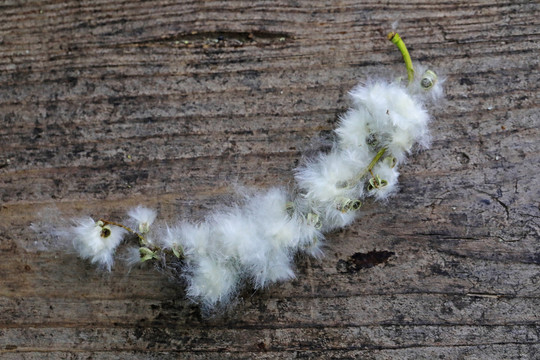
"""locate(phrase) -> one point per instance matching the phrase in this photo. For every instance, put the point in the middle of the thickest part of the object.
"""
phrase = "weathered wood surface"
(105, 105)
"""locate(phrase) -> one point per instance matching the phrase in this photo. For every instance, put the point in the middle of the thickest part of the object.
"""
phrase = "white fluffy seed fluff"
(323, 180)
(193, 239)
(433, 93)
(141, 218)
(132, 256)
(257, 239)
(397, 119)
(211, 281)
(308, 224)
(96, 241)
(389, 174)
(276, 234)
(353, 129)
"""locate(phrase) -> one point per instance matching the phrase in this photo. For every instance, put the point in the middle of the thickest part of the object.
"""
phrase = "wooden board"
(105, 105)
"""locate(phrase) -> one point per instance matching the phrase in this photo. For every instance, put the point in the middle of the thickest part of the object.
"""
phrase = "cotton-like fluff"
(211, 281)
(212, 267)
(96, 241)
(384, 184)
(193, 240)
(331, 180)
(269, 212)
(427, 84)
(311, 239)
(398, 120)
(278, 234)
(141, 218)
(132, 256)
(210, 277)
(324, 179)
(239, 233)
(255, 240)
(353, 130)
(275, 267)
(236, 234)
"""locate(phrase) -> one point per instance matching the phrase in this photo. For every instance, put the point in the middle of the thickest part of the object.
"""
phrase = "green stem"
(144, 244)
(141, 238)
(353, 182)
(376, 159)
(396, 39)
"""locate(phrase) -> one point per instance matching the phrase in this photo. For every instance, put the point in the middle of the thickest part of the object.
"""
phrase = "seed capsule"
(429, 79)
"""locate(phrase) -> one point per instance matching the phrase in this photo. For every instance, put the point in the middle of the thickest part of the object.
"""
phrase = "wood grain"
(105, 105)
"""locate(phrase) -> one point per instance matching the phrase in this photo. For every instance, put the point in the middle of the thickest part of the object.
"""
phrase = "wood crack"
(216, 39)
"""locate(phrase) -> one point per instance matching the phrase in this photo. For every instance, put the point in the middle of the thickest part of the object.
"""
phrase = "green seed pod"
(372, 140)
(289, 207)
(429, 79)
(105, 231)
(355, 205)
(390, 161)
(376, 183)
(313, 219)
(147, 254)
(344, 205)
(177, 251)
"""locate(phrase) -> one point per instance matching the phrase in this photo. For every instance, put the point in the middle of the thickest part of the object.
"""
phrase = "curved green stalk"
(147, 251)
(396, 39)
(376, 159)
(141, 238)
(354, 181)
